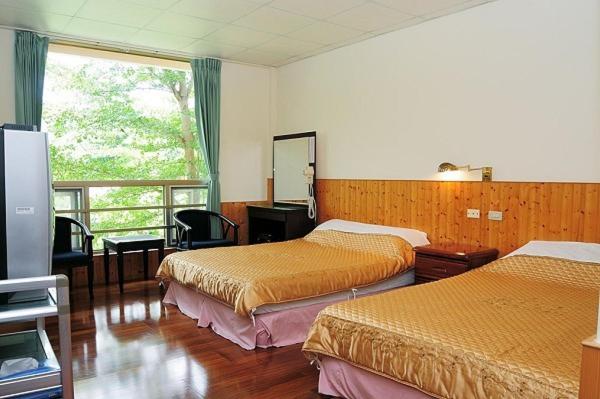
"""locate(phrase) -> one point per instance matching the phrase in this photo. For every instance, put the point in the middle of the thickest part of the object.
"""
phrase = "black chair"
(65, 257)
(194, 228)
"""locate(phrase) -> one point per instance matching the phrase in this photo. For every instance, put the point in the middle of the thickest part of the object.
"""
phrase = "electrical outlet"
(495, 215)
(473, 213)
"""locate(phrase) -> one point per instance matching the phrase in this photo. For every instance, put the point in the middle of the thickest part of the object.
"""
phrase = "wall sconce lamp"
(486, 171)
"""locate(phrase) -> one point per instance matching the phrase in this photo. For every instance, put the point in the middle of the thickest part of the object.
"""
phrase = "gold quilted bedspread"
(321, 263)
(511, 329)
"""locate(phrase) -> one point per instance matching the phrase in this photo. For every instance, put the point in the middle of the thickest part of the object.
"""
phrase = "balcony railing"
(155, 199)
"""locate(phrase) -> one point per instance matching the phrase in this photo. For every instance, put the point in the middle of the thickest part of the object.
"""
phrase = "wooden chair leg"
(120, 272)
(106, 264)
(145, 261)
(90, 276)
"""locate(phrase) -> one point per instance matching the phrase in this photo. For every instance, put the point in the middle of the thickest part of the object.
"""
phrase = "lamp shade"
(447, 167)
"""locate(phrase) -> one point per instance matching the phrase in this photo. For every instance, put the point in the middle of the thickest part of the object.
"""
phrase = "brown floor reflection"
(133, 346)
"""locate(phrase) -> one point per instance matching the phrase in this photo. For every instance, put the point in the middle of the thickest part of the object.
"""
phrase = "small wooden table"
(438, 261)
(123, 244)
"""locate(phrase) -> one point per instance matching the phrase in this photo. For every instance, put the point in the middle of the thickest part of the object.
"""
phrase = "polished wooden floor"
(133, 346)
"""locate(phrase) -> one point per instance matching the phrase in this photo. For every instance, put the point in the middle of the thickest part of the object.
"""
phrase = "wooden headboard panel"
(542, 211)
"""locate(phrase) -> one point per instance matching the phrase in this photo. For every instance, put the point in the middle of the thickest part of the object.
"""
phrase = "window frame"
(167, 206)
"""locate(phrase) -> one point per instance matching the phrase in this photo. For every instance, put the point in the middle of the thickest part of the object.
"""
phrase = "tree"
(181, 85)
(115, 121)
(110, 129)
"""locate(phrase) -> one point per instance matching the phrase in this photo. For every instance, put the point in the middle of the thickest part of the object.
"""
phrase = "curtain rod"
(74, 41)
(114, 49)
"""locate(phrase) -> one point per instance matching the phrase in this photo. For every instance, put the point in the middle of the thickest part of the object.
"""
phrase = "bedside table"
(437, 261)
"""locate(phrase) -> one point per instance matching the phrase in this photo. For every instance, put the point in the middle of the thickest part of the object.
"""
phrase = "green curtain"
(207, 88)
(30, 65)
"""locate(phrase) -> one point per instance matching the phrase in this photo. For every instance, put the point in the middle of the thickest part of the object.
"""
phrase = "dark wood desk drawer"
(266, 214)
(438, 268)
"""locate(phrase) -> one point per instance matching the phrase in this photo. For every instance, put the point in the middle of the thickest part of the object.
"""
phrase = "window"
(122, 136)
(124, 210)
(69, 199)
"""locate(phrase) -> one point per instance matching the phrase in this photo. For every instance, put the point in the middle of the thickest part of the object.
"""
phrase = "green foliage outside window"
(110, 120)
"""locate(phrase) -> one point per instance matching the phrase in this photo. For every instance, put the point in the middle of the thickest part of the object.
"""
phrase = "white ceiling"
(261, 32)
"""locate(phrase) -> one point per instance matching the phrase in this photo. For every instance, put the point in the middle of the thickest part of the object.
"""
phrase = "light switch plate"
(495, 215)
(473, 213)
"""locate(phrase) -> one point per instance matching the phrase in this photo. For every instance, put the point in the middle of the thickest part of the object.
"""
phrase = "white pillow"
(413, 237)
(578, 251)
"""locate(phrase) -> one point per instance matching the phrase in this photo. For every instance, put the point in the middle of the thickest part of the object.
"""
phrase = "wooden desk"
(272, 223)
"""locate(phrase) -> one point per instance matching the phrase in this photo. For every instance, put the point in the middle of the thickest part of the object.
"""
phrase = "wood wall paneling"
(531, 211)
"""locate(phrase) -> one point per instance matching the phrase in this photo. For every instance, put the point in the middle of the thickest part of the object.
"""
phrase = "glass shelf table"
(51, 378)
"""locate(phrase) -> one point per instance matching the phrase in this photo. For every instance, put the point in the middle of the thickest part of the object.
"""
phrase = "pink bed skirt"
(282, 328)
(341, 379)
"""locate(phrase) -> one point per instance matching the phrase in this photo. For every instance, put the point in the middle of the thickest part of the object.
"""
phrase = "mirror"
(292, 155)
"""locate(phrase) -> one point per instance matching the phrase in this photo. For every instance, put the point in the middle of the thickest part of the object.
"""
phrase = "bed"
(269, 294)
(510, 329)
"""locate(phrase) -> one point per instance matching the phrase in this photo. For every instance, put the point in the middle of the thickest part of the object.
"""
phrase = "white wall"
(513, 84)
(7, 80)
(245, 158)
